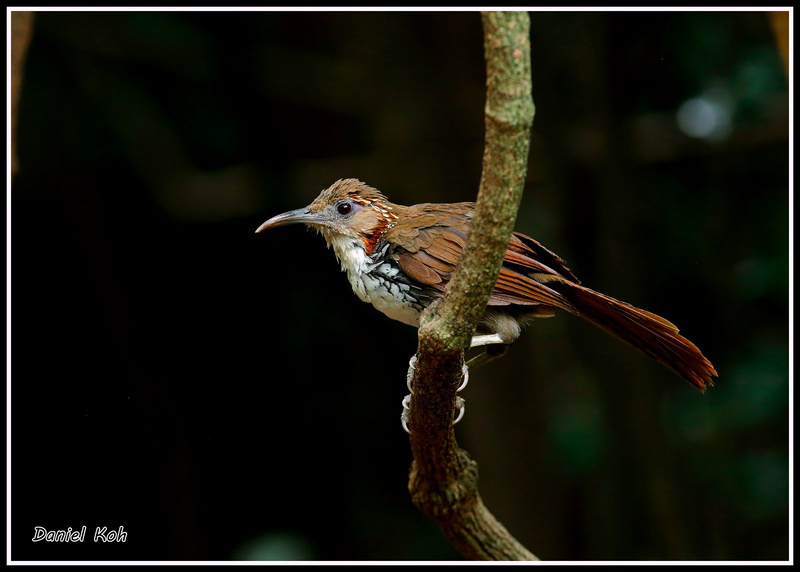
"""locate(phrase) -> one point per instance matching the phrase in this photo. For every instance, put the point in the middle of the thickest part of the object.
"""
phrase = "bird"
(400, 259)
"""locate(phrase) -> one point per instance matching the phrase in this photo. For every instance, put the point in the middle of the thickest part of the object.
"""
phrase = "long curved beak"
(292, 217)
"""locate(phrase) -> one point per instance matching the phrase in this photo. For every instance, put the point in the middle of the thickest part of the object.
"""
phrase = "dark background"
(224, 395)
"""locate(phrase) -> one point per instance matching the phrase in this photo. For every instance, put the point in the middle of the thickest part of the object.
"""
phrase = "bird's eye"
(344, 208)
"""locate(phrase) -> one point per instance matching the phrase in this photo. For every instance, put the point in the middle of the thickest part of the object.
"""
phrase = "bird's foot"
(404, 414)
(412, 363)
(460, 403)
(491, 353)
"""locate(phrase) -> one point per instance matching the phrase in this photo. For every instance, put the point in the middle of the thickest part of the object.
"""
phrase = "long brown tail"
(645, 331)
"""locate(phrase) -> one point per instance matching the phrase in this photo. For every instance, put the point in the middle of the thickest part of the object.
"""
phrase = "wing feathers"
(430, 256)
(520, 289)
(418, 271)
(534, 276)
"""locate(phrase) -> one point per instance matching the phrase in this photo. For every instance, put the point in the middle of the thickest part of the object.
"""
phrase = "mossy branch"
(443, 480)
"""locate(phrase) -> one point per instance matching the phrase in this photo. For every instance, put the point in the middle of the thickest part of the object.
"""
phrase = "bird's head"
(347, 209)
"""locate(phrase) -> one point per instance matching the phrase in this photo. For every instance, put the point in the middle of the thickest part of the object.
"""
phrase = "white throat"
(371, 278)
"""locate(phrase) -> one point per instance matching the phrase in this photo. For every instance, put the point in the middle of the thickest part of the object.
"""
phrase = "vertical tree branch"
(443, 480)
(21, 32)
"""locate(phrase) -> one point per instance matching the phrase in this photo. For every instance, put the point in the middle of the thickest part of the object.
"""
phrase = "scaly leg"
(495, 348)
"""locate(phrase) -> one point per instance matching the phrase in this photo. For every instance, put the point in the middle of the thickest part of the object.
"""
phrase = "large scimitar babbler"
(400, 258)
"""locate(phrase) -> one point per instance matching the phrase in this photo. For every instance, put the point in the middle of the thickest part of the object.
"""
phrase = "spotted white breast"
(377, 279)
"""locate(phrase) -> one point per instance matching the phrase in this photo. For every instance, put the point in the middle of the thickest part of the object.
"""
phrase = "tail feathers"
(647, 332)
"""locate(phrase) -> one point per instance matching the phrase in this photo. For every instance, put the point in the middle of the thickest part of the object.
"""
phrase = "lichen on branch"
(443, 479)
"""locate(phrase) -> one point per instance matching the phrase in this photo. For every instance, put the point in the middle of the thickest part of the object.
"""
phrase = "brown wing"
(428, 250)
(434, 256)
(528, 253)
(428, 253)
(428, 247)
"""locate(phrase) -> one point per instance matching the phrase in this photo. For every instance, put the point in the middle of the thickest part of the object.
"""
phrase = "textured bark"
(444, 480)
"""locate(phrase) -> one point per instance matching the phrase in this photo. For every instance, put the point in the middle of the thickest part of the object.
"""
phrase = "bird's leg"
(485, 340)
(494, 345)
(504, 330)
(460, 405)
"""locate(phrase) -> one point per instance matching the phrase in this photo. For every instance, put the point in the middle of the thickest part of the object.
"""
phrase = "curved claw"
(410, 375)
(464, 383)
(461, 406)
(404, 414)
